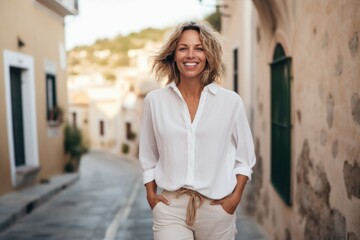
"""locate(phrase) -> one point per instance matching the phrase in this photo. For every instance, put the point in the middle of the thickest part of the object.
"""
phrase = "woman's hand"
(228, 203)
(154, 199)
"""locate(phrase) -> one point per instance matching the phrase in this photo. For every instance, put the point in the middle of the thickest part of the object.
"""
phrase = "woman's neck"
(190, 89)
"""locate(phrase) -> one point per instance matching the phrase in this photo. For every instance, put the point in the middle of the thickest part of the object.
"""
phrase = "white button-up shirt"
(204, 155)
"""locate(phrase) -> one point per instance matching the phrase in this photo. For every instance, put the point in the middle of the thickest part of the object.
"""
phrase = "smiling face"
(190, 56)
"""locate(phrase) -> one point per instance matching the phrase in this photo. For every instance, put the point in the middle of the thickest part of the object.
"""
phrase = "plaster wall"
(42, 31)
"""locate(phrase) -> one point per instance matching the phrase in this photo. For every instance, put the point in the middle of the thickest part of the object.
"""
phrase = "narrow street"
(85, 210)
(107, 202)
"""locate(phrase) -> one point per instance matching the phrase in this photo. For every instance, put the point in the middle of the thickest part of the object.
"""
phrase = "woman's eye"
(182, 49)
(199, 49)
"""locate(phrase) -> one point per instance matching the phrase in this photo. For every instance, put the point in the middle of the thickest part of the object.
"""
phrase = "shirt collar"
(172, 85)
(212, 87)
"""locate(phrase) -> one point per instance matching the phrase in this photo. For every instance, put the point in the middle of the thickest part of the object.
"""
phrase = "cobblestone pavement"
(85, 210)
(138, 225)
(107, 202)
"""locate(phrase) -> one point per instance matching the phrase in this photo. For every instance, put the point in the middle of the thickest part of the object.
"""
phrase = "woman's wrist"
(151, 189)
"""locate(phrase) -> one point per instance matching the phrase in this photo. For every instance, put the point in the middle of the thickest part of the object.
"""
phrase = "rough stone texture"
(352, 179)
(266, 202)
(321, 91)
(330, 110)
(260, 108)
(287, 234)
(353, 44)
(321, 221)
(331, 227)
(258, 34)
(339, 65)
(260, 216)
(325, 40)
(252, 204)
(273, 217)
(352, 236)
(355, 108)
(258, 169)
(263, 126)
(323, 137)
(298, 114)
(249, 203)
(262, 212)
(335, 148)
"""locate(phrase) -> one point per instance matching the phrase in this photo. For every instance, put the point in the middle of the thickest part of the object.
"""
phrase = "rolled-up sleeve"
(148, 152)
(245, 155)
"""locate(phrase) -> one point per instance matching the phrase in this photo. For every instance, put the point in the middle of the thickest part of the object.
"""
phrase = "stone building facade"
(297, 66)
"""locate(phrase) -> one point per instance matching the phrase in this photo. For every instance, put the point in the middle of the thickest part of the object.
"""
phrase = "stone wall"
(322, 38)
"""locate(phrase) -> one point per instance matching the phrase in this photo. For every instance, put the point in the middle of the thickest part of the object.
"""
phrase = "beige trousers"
(211, 221)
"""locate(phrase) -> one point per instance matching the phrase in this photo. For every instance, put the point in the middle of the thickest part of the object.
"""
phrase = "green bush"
(215, 20)
(125, 148)
(73, 147)
(131, 136)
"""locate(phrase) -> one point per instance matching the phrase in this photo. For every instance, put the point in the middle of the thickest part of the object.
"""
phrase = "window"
(130, 135)
(74, 119)
(128, 130)
(235, 70)
(281, 124)
(51, 101)
(101, 128)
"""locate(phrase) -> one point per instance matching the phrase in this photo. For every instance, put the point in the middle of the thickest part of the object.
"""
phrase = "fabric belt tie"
(195, 201)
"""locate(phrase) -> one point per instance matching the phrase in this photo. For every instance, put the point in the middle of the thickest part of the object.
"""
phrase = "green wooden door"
(281, 124)
(17, 116)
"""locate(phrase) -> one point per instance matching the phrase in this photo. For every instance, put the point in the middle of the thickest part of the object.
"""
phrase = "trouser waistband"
(195, 201)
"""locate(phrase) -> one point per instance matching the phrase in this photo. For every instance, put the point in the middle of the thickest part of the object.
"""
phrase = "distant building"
(108, 112)
(78, 113)
(33, 90)
(296, 65)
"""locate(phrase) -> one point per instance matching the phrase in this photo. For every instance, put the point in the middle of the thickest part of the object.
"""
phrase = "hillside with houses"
(106, 85)
(107, 56)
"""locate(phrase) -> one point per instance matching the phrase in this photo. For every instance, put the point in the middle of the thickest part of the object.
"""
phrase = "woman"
(195, 141)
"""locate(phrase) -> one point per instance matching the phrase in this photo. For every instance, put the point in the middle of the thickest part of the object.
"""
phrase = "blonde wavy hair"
(164, 66)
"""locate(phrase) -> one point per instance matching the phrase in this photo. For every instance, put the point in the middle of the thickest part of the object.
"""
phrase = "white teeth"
(190, 64)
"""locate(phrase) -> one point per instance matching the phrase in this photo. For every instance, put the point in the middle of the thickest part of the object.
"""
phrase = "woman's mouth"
(190, 65)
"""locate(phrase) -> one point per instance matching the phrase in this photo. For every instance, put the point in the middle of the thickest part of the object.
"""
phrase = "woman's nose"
(190, 53)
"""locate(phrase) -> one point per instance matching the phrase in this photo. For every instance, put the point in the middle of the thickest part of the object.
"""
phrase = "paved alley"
(87, 209)
(107, 202)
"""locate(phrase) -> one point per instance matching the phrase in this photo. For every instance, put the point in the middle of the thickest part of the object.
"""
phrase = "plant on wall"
(73, 147)
(131, 136)
(56, 115)
(125, 148)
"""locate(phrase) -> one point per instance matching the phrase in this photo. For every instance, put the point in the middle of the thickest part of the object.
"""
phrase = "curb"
(17, 204)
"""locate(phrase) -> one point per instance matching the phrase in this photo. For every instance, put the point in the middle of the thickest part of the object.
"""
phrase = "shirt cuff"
(246, 171)
(148, 175)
